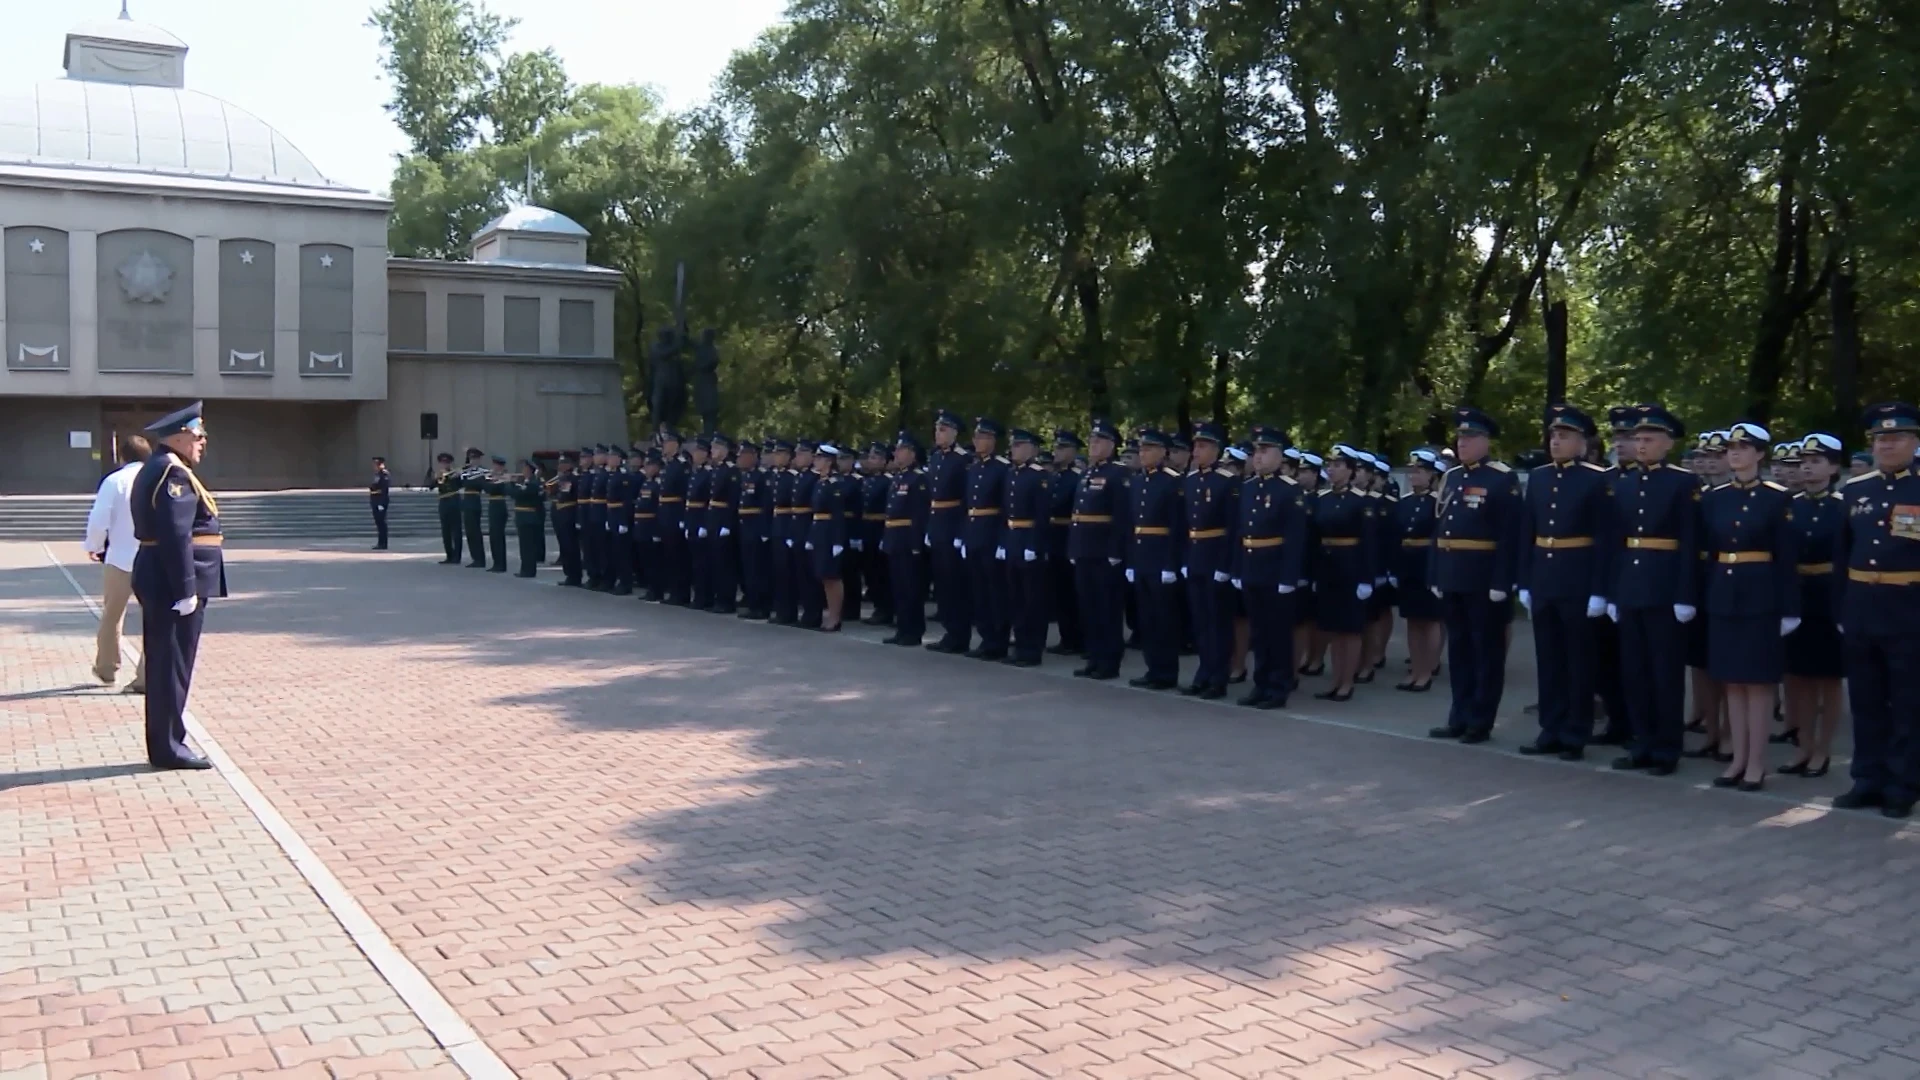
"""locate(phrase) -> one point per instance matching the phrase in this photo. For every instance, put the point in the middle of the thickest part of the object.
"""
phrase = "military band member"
(1023, 549)
(497, 482)
(946, 535)
(1877, 594)
(983, 541)
(176, 571)
(1097, 548)
(723, 521)
(1815, 663)
(809, 595)
(1269, 561)
(874, 572)
(446, 486)
(1062, 490)
(565, 491)
(379, 498)
(675, 572)
(1344, 524)
(699, 554)
(1475, 565)
(1209, 494)
(904, 541)
(622, 480)
(1411, 531)
(826, 540)
(1655, 591)
(1156, 521)
(1568, 516)
(755, 511)
(473, 502)
(526, 492)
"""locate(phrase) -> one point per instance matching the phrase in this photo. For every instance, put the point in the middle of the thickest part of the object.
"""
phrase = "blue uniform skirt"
(1745, 648)
(1814, 650)
(1696, 636)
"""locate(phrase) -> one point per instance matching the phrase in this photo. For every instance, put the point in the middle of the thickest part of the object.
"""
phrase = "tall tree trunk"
(1222, 376)
(1556, 324)
(642, 403)
(1788, 293)
(1093, 340)
(1183, 411)
(1843, 304)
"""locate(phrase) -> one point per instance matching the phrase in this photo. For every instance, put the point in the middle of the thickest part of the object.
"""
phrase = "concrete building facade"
(158, 245)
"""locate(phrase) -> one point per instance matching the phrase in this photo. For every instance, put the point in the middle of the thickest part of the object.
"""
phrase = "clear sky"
(311, 67)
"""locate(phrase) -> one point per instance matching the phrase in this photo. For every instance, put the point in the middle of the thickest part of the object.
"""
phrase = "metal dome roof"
(534, 219)
(147, 129)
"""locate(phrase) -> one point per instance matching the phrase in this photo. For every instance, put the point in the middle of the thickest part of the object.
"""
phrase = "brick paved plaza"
(623, 840)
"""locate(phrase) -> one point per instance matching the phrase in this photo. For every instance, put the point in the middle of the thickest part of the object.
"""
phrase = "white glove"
(703, 532)
(927, 540)
(1183, 571)
(1285, 589)
(1116, 562)
(1436, 590)
(1168, 577)
(1789, 624)
(959, 546)
(187, 606)
(1221, 576)
(1613, 612)
(1129, 575)
(809, 545)
(858, 545)
(1596, 606)
(1393, 580)
(723, 532)
(837, 549)
(607, 527)
(1240, 585)
(1526, 600)
(1684, 612)
(789, 541)
(1000, 553)
(1496, 595)
(1363, 590)
(1379, 581)
(1840, 628)
(623, 530)
(1029, 555)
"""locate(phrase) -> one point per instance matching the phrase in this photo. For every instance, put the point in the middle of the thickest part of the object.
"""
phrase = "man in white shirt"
(110, 542)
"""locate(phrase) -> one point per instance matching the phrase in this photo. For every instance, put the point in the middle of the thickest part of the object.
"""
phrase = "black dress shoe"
(1147, 683)
(979, 653)
(990, 654)
(1270, 703)
(476, 566)
(449, 562)
(1631, 762)
(1857, 799)
(1608, 738)
(1063, 650)
(1085, 671)
(1313, 670)
(1412, 687)
(1474, 738)
(1253, 700)
(1024, 661)
(1662, 768)
(1814, 774)
(1726, 781)
(1751, 785)
(1537, 749)
(1105, 675)
(1706, 751)
(1192, 690)
(1896, 808)
(1785, 737)
(1444, 732)
(1212, 693)
(189, 761)
(1364, 677)
(1798, 768)
(1236, 680)
(1332, 695)
(1573, 753)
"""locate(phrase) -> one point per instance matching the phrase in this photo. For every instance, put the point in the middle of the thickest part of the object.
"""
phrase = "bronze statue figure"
(706, 379)
(666, 380)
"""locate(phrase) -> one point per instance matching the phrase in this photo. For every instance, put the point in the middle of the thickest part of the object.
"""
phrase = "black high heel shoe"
(1785, 737)
(1313, 670)
(1364, 678)
(1814, 774)
(1711, 750)
(1415, 688)
(1798, 768)
(1727, 781)
(1335, 695)
(1752, 785)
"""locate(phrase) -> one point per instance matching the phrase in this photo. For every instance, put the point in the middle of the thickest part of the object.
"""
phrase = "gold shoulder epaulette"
(1499, 466)
(1774, 486)
(1862, 476)
(1595, 468)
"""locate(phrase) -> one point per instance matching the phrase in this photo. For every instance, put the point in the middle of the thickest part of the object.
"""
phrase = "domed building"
(159, 245)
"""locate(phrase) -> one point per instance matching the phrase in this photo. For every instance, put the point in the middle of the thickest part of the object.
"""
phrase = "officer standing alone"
(379, 497)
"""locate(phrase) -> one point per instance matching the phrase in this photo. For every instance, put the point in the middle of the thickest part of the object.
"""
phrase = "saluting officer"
(473, 503)
(674, 573)
(946, 535)
(723, 520)
(1097, 547)
(1028, 510)
(754, 494)
(1157, 531)
(1475, 564)
(565, 488)
(1269, 563)
(904, 541)
(379, 498)
(446, 486)
(1563, 579)
(1063, 488)
(1656, 584)
(1211, 515)
(1878, 599)
(983, 543)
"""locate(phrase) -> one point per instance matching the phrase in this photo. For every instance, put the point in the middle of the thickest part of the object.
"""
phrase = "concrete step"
(252, 515)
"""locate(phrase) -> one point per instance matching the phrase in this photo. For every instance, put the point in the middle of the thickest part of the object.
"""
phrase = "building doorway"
(119, 419)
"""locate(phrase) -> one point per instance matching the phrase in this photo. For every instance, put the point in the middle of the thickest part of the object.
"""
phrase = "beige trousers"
(113, 612)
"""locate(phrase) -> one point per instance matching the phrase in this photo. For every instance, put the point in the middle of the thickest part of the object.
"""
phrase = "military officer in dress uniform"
(473, 503)
(1816, 662)
(1563, 578)
(699, 555)
(1209, 493)
(1023, 549)
(808, 598)
(1877, 596)
(723, 520)
(875, 484)
(176, 570)
(1475, 568)
(527, 493)
(755, 511)
(497, 484)
(593, 518)
(1269, 562)
(565, 490)
(786, 596)
(1097, 548)
(1343, 571)
(1411, 561)
(446, 486)
(379, 498)
(946, 535)
(904, 541)
(675, 584)
(1655, 589)
(826, 542)
(983, 541)
(1607, 676)
(1062, 489)
(622, 480)
(1156, 528)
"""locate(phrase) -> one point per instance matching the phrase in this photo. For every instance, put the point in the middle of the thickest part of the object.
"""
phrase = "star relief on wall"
(145, 279)
(246, 256)
(36, 245)
(326, 262)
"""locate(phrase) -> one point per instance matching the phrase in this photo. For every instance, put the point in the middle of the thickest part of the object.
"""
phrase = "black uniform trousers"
(476, 535)
(674, 570)
(1653, 645)
(1563, 649)
(1099, 591)
(813, 597)
(1157, 605)
(700, 565)
(620, 561)
(852, 577)
(1270, 638)
(526, 528)
(953, 595)
(878, 572)
(1210, 605)
(1883, 690)
(1476, 658)
(566, 533)
(1607, 680)
(909, 591)
(379, 522)
(171, 642)
(987, 577)
(1061, 580)
(723, 552)
(497, 544)
(450, 527)
(1030, 603)
(592, 543)
(786, 594)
